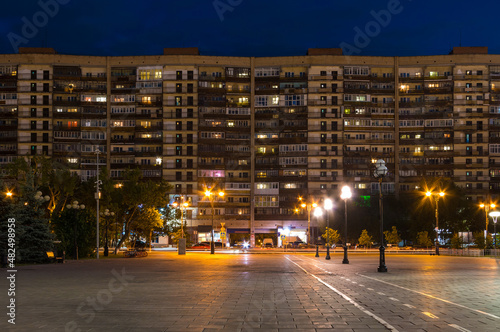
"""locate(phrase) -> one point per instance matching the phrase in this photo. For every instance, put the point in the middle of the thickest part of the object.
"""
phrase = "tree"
(392, 237)
(331, 236)
(76, 231)
(365, 239)
(32, 232)
(456, 241)
(424, 239)
(479, 240)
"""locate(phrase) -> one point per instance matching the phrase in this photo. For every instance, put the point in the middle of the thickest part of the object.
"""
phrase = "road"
(250, 292)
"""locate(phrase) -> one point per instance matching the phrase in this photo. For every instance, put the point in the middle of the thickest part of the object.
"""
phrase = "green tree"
(331, 236)
(423, 239)
(76, 231)
(365, 239)
(32, 232)
(456, 241)
(479, 240)
(392, 237)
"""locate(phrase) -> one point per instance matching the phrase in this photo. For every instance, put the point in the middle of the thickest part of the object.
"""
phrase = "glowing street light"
(308, 207)
(380, 172)
(436, 196)
(495, 215)
(210, 197)
(345, 195)
(486, 208)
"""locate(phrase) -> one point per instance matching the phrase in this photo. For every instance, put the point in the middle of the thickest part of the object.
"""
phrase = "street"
(249, 292)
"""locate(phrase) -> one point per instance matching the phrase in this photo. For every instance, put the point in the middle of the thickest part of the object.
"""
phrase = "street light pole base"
(382, 267)
(327, 253)
(212, 248)
(345, 260)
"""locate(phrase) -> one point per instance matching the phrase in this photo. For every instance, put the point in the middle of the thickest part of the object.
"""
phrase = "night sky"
(249, 27)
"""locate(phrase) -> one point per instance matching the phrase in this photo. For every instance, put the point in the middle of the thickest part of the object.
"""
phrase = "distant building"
(265, 130)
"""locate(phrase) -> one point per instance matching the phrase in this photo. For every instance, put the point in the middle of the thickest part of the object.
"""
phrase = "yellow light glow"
(428, 193)
(303, 205)
(481, 205)
(493, 206)
(208, 193)
(186, 204)
(315, 205)
(9, 194)
(221, 193)
(441, 194)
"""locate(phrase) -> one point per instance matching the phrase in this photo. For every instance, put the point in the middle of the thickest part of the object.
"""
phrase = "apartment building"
(266, 131)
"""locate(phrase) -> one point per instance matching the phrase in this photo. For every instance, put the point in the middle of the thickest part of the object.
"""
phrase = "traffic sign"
(283, 236)
(222, 235)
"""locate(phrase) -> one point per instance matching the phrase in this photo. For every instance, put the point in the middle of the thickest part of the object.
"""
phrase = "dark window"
(178, 150)
(189, 138)
(33, 137)
(33, 112)
(480, 138)
(45, 137)
(178, 113)
(45, 100)
(33, 125)
(190, 101)
(33, 87)
(189, 163)
(46, 125)
(190, 88)
(178, 163)
(178, 125)
(189, 151)
(321, 73)
(323, 125)
(33, 74)
(189, 191)
(45, 112)
(323, 138)
(189, 125)
(45, 150)
(334, 125)
(189, 176)
(178, 138)
(33, 100)
(323, 112)
(178, 177)
(178, 75)
(190, 74)
(33, 149)
(323, 163)
(178, 188)
(480, 125)
(46, 87)
(190, 113)
(178, 88)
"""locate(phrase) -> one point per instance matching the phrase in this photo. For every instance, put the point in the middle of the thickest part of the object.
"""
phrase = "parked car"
(216, 244)
(200, 246)
(242, 244)
(267, 243)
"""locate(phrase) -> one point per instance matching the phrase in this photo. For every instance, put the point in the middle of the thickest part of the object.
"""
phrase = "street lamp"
(9, 194)
(327, 205)
(106, 214)
(495, 215)
(308, 207)
(379, 173)
(210, 196)
(437, 196)
(345, 195)
(486, 209)
(75, 206)
(318, 212)
(97, 197)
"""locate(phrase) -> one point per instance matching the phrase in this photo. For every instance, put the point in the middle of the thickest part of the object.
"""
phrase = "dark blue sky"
(248, 27)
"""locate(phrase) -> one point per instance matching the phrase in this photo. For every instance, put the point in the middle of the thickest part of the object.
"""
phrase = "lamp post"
(317, 213)
(345, 195)
(97, 197)
(327, 205)
(106, 213)
(308, 207)
(495, 215)
(437, 196)
(379, 173)
(210, 196)
(75, 206)
(486, 209)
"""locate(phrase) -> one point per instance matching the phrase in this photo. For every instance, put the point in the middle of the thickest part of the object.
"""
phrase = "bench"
(55, 258)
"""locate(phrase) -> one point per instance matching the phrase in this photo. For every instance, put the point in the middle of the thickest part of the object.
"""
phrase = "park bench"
(54, 257)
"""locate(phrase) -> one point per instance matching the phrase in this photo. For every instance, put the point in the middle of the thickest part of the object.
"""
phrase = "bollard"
(317, 251)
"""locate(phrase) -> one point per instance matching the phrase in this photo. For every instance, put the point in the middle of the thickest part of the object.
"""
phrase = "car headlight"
(246, 245)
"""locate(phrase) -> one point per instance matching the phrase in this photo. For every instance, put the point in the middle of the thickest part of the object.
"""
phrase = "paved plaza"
(250, 292)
